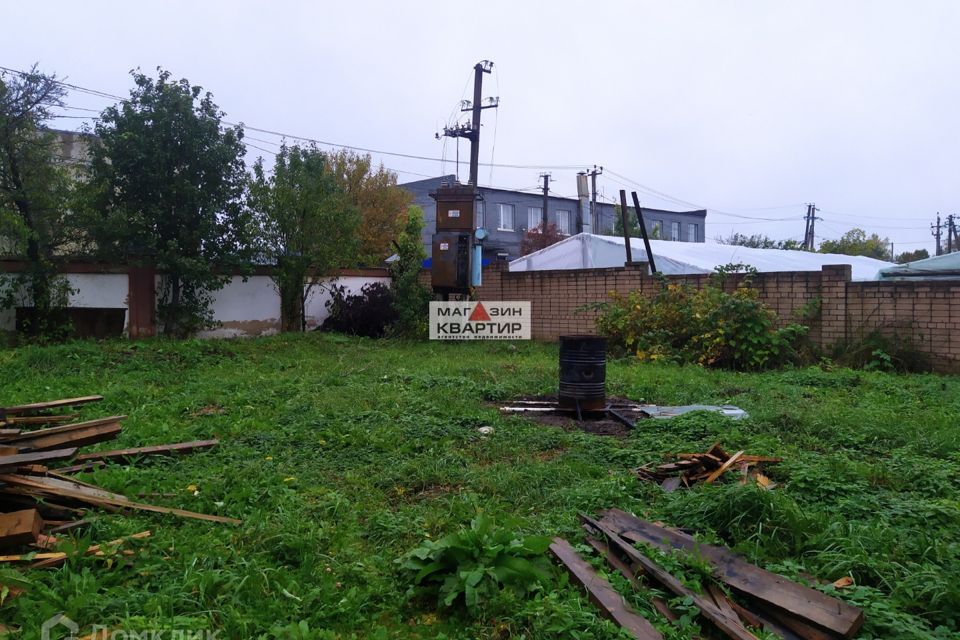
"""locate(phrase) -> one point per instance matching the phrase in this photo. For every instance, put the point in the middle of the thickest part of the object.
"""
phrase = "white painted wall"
(90, 290)
(250, 308)
(244, 308)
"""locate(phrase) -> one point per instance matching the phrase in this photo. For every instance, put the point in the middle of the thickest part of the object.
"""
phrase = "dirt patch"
(543, 410)
(548, 455)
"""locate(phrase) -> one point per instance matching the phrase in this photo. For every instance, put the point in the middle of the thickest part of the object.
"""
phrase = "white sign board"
(488, 320)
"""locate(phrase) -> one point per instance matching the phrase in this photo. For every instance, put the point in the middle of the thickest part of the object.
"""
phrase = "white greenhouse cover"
(942, 267)
(589, 251)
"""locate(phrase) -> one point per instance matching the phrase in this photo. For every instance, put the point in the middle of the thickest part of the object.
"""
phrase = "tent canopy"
(589, 251)
(945, 267)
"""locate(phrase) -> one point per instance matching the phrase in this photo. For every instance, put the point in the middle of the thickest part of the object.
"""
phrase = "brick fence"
(928, 311)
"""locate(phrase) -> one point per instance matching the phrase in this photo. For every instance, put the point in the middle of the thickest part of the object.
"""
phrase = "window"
(534, 217)
(674, 231)
(563, 221)
(692, 232)
(480, 214)
(506, 217)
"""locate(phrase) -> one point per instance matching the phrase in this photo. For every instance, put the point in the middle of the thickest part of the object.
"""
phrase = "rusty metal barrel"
(583, 373)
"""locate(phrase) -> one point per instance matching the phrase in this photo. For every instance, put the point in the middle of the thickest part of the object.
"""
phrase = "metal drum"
(583, 373)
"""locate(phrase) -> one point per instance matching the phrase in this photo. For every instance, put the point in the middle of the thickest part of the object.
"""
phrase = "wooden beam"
(63, 428)
(732, 627)
(54, 483)
(40, 488)
(10, 463)
(52, 404)
(832, 614)
(164, 449)
(73, 438)
(20, 527)
(92, 550)
(723, 468)
(630, 572)
(603, 595)
(41, 419)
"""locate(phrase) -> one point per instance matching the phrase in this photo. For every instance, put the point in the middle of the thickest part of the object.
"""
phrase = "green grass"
(340, 455)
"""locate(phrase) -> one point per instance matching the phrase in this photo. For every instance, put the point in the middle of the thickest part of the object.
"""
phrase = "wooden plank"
(80, 468)
(803, 602)
(37, 487)
(63, 428)
(163, 449)
(9, 463)
(20, 527)
(52, 404)
(92, 550)
(20, 557)
(73, 438)
(756, 620)
(69, 526)
(9, 451)
(717, 451)
(721, 600)
(630, 572)
(731, 626)
(55, 483)
(603, 595)
(41, 419)
(786, 621)
(8, 433)
(723, 468)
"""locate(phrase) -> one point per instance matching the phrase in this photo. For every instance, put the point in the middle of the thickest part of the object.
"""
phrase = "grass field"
(341, 454)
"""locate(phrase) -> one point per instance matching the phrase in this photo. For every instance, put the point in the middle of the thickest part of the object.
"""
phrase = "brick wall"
(927, 311)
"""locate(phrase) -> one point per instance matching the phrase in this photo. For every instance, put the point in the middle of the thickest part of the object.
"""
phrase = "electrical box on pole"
(456, 244)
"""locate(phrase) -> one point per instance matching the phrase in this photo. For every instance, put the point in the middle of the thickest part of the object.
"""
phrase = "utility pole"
(471, 130)
(546, 192)
(935, 232)
(594, 221)
(950, 233)
(809, 233)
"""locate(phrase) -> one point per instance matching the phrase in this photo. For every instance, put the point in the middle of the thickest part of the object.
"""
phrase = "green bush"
(411, 298)
(707, 326)
(881, 350)
(478, 563)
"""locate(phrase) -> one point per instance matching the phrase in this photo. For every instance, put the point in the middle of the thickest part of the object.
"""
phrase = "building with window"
(508, 214)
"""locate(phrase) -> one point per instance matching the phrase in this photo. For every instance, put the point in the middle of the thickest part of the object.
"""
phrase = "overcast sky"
(746, 108)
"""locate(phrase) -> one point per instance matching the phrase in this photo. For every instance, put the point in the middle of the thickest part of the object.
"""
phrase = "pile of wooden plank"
(40, 500)
(737, 600)
(687, 469)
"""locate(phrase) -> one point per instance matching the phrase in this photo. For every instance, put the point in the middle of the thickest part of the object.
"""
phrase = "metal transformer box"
(450, 269)
(455, 207)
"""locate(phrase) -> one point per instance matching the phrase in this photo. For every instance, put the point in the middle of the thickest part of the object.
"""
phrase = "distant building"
(507, 215)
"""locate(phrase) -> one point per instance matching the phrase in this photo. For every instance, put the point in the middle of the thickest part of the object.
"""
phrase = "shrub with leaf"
(474, 565)
(368, 312)
(708, 326)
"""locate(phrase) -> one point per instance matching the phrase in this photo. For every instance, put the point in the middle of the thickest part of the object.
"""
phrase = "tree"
(382, 204)
(856, 243)
(539, 238)
(411, 298)
(760, 241)
(653, 232)
(308, 225)
(35, 188)
(166, 189)
(912, 256)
